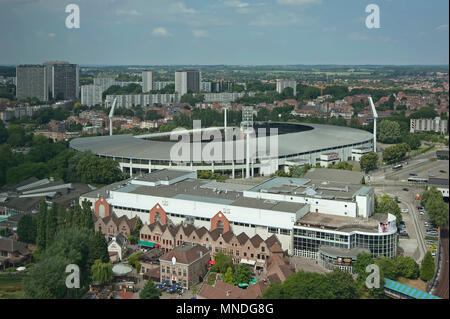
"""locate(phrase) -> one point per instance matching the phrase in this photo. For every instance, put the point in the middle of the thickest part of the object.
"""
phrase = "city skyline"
(226, 32)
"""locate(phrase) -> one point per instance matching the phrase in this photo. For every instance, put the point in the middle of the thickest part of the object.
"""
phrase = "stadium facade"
(297, 144)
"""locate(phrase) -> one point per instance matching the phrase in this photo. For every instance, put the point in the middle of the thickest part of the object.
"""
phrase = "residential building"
(13, 253)
(186, 264)
(104, 82)
(436, 125)
(32, 82)
(110, 225)
(282, 84)
(147, 81)
(117, 247)
(62, 80)
(187, 81)
(91, 95)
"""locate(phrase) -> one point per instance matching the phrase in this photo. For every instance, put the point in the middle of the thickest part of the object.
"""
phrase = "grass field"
(11, 286)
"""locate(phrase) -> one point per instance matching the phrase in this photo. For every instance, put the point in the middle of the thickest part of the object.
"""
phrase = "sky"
(232, 32)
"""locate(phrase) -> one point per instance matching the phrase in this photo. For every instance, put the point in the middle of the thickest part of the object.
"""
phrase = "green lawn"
(11, 286)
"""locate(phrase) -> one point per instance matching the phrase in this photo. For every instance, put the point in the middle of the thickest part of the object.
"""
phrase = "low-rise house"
(117, 247)
(149, 261)
(223, 290)
(13, 253)
(186, 264)
(111, 225)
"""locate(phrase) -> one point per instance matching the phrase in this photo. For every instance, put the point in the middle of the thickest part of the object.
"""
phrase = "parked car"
(412, 174)
(433, 253)
(442, 171)
(406, 189)
(405, 210)
(420, 207)
(159, 286)
(397, 201)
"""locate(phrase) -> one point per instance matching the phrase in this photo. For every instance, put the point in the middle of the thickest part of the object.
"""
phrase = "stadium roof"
(407, 290)
(321, 138)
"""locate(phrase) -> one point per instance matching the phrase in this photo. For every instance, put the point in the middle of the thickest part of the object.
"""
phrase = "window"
(273, 230)
(207, 239)
(245, 254)
(181, 236)
(263, 248)
(237, 252)
(179, 271)
(184, 272)
(251, 255)
(163, 269)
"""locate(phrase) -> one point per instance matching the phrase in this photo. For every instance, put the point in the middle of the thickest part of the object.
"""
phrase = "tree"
(412, 140)
(369, 162)
(98, 248)
(47, 279)
(435, 206)
(52, 224)
(389, 206)
(41, 225)
(150, 291)
(3, 133)
(363, 181)
(92, 169)
(389, 132)
(222, 262)
(27, 229)
(388, 266)
(407, 267)
(228, 276)
(427, 267)
(243, 274)
(341, 285)
(102, 272)
(395, 153)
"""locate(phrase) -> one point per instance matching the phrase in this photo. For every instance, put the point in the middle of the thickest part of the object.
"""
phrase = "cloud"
(199, 33)
(236, 4)
(443, 27)
(160, 32)
(269, 19)
(298, 2)
(180, 7)
(132, 12)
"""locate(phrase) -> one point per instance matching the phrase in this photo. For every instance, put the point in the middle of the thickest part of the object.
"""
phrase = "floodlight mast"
(375, 117)
(111, 114)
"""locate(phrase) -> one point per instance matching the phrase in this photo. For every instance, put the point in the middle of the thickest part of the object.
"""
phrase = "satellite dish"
(174, 260)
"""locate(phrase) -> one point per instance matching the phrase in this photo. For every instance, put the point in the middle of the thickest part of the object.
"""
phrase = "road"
(442, 288)
(413, 221)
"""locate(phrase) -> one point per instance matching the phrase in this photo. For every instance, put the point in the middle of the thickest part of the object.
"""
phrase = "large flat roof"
(318, 139)
(341, 223)
(311, 188)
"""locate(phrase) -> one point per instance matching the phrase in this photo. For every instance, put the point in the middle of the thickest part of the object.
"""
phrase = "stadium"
(297, 144)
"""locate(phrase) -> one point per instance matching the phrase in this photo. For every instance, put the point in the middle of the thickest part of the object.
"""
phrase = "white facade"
(91, 95)
(161, 85)
(181, 82)
(436, 125)
(105, 83)
(357, 153)
(205, 86)
(282, 84)
(147, 81)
